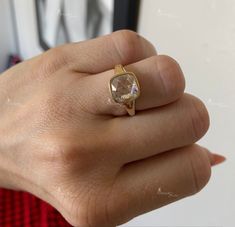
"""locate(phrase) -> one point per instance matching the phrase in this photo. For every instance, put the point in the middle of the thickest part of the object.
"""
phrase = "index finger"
(103, 53)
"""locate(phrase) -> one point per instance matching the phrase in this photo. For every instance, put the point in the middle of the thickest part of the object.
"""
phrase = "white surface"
(7, 45)
(201, 36)
(27, 28)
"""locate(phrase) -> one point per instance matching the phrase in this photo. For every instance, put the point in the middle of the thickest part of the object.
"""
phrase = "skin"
(66, 142)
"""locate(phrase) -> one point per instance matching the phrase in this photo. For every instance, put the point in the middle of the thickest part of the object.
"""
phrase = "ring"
(124, 88)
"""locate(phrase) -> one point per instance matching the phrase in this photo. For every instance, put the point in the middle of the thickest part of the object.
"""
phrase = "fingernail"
(217, 159)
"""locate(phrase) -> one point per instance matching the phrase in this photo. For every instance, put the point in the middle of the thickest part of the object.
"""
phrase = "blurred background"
(199, 34)
(30, 27)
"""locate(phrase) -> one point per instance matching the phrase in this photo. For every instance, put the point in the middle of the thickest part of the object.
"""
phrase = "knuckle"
(63, 152)
(127, 43)
(171, 75)
(67, 156)
(199, 118)
(128, 36)
(52, 60)
(57, 151)
(56, 52)
(200, 168)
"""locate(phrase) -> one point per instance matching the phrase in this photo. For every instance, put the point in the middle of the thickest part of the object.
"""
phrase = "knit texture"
(25, 210)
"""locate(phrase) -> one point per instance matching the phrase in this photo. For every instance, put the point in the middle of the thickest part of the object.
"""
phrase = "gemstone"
(124, 88)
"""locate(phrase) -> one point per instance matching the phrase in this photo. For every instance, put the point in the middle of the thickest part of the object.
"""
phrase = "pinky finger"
(157, 181)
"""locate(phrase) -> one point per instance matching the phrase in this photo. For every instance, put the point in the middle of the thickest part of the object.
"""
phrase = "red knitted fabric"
(25, 210)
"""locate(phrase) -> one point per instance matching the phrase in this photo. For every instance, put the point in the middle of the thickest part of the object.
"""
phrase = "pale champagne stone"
(124, 88)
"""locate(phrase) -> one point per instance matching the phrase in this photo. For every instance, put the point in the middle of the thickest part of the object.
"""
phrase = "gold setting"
(128, 100)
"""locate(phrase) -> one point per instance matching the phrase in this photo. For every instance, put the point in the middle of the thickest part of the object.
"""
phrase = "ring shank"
(130, 108)
(119, 69)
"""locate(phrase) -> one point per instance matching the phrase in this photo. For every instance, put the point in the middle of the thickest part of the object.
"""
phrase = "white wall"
(27, 27)
(201, 36)
(7, 44)
(27, 24)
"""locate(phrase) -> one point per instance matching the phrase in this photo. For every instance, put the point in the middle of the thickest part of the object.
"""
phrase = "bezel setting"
(132, 90)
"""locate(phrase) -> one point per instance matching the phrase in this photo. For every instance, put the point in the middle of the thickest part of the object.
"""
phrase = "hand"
(65, 141)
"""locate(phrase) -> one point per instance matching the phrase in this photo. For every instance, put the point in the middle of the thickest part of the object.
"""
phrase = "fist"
(64, 140)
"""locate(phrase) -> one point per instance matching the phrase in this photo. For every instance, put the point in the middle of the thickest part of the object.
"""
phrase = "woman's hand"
(65, 141)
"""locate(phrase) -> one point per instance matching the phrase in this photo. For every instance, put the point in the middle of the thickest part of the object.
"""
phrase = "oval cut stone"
(124, 88)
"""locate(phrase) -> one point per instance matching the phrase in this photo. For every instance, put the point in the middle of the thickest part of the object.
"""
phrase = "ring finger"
(161, 81)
